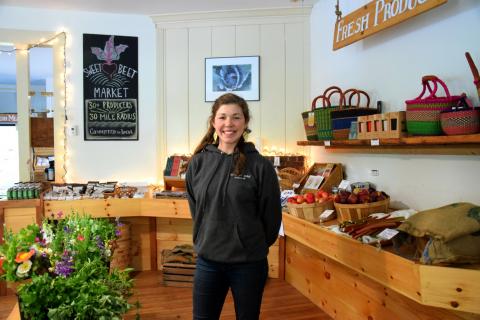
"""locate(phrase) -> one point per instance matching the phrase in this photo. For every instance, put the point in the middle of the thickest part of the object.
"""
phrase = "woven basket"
(288, 177)
(343, 117)
(352, 212)
(317, 121)
(423, 113)
(323, 116)
(311, 211)
(462, 119)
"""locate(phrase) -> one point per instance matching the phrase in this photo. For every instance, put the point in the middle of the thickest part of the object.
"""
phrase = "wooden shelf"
(456, 145)
(444, 287)
(4, 203)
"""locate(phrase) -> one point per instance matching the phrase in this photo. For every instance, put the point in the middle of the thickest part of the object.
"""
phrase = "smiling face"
(229, 123)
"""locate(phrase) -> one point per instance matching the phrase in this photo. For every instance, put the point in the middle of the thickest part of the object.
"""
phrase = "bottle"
(51, 171)
(14, 193)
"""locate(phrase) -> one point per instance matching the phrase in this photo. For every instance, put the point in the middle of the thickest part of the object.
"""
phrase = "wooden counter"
(347, 279)
(156, 224)
(351, 280)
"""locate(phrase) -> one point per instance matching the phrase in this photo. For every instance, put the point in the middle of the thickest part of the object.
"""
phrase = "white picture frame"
(238, 75)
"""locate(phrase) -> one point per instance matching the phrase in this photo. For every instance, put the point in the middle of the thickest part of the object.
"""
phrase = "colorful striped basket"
(461, 119)
(317, 121)
(423, 113)
(342, 118)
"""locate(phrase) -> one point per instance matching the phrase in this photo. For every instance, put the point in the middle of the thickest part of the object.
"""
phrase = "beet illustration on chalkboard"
(109, 54)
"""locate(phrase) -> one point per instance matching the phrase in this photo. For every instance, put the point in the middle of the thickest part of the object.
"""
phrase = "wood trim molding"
(231, 17)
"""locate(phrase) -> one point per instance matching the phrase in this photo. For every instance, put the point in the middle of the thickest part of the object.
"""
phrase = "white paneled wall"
(280, 37)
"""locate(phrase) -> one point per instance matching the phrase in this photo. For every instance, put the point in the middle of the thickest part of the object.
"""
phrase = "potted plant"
(63, 268)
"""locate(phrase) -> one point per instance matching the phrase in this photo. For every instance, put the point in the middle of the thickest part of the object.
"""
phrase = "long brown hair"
(227, 98)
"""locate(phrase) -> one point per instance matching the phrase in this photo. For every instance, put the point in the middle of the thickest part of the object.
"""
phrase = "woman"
(234, 200)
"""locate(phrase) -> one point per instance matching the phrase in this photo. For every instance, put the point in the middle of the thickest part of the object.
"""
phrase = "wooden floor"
(280, 302)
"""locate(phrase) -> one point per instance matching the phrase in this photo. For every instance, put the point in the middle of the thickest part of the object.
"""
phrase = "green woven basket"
(424, 128)
(323, 116)
(323, 119)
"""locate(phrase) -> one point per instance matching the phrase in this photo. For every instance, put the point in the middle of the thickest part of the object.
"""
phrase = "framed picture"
(238, 75)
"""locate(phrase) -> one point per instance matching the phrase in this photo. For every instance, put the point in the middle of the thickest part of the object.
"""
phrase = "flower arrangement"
(63, 266)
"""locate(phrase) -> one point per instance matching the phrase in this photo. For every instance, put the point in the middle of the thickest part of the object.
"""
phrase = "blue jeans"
(212, 281)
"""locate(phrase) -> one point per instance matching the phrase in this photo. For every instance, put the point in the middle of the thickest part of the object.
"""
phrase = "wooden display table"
(156, 224)
(351, 280)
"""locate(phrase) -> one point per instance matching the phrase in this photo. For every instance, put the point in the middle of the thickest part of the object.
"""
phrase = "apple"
(309, 197)
(300, 199)
(337, 198)
(352, 199)
(363, 192)
(364, 198)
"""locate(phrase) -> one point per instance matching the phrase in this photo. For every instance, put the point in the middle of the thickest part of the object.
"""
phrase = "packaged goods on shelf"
(331, 175)
(25, 190)
(174, 172)
(382, 126)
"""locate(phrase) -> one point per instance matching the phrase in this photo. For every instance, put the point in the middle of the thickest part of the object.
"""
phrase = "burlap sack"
(464, 249)
(444, 223)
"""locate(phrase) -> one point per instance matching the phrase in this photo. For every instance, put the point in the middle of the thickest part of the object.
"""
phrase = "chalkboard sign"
(110, 87)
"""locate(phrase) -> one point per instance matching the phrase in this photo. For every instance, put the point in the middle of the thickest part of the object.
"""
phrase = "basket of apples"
(360, 203)
(309, 206)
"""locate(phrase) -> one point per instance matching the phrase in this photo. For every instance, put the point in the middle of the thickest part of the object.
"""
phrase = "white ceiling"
(151, 7)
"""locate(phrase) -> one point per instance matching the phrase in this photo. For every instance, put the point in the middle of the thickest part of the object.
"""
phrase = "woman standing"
(234, 200)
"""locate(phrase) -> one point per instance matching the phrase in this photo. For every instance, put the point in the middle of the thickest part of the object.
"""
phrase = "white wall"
(279, 36)
(133, 161)
(389, 66)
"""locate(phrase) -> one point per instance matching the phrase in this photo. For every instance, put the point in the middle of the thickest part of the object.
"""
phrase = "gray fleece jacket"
(236, 218)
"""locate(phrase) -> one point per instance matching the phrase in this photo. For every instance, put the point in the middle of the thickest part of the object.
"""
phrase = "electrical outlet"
(73, 130)
(374, 172)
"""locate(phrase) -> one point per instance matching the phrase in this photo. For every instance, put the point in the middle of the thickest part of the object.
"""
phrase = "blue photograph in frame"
(238, 75)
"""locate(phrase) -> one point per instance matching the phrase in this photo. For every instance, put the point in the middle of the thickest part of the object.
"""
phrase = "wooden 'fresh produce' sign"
(110, 87)
(376, 16)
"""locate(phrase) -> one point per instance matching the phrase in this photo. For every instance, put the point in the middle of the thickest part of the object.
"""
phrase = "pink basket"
(423, 113)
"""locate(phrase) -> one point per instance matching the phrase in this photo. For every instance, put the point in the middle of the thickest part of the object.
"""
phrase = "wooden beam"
(153, 244)
(281, 258)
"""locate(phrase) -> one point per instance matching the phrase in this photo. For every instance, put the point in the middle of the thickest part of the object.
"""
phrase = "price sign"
(388, 234)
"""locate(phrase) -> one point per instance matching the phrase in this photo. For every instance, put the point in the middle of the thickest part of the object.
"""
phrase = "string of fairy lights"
(49, 42)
